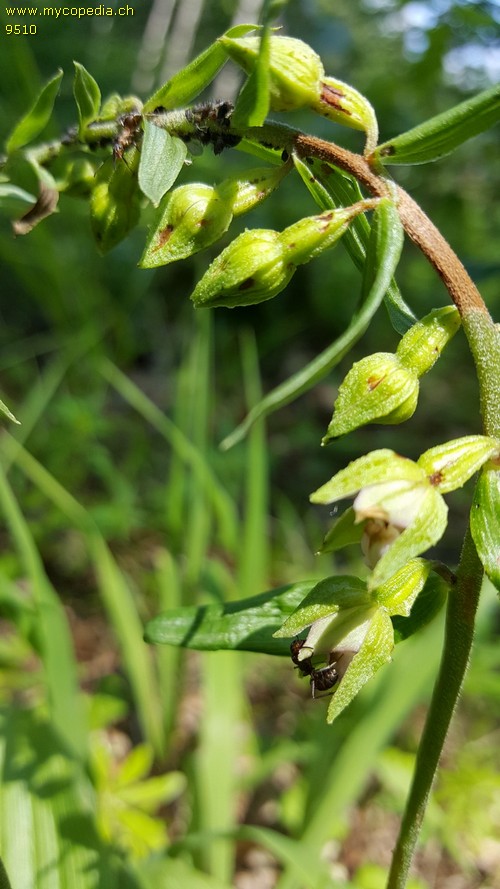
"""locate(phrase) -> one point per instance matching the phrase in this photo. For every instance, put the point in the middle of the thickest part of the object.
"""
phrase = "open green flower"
(400, 501)
(350, 628)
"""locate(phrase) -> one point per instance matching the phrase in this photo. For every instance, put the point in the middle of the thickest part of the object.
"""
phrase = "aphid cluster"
(207, 114)
(322, 678)
(128, 135)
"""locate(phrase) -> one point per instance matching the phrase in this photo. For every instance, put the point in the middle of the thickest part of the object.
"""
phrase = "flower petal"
(374, 652)
(427, 528)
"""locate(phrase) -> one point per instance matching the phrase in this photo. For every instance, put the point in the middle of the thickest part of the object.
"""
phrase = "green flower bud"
(422, 344)
(307, 238)
(383, 388)
(377, 389)
(450, 465)
(190, 218)
(253, 268)
(247, 190)
(116, 105)
(259, 263)
(194, 216)
(114, 204)
(295, 69)
(343, 104)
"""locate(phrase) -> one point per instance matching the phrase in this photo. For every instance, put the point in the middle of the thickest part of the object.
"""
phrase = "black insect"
(322, 678)
(212, 121)
(128, 135)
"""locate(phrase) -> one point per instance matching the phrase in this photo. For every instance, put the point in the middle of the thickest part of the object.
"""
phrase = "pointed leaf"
(154, 792)
(37, 117)
(162, 159)
(442, 134)
(136, 765)
(5, 410)
(247, 625)
(331, 187)
(186, 84)
(87, 96)
(485, 523)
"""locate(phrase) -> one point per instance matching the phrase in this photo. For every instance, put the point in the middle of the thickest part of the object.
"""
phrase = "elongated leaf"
(247, 625)
(386, 243)
(383, 250)
(186, 84)
(440, 135)
(8, 413)
(37, 117)
(162, 158)
(343, 190)
(485, 523)
(53, 636)
(87, 96)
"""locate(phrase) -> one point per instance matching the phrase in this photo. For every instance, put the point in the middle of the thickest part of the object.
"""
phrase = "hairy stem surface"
(462, 607)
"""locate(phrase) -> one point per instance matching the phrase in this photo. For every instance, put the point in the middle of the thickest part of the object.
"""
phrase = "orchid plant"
(124, 154)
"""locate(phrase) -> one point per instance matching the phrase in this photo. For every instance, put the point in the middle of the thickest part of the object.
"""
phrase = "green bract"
(37, 117)
(161, 161)
(87, 97)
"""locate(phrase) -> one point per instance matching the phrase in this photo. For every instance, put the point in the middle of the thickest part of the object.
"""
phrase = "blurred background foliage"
(124, 393)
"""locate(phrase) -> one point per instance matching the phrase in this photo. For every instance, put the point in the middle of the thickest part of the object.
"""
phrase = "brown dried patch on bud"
(333, 97)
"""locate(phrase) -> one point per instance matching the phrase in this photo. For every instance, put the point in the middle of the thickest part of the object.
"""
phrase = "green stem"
(462, 606)
(484, 341)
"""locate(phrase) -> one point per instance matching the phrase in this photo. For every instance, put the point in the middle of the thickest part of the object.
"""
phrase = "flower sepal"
(451, 465)
(357, 668)
(403, 512)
